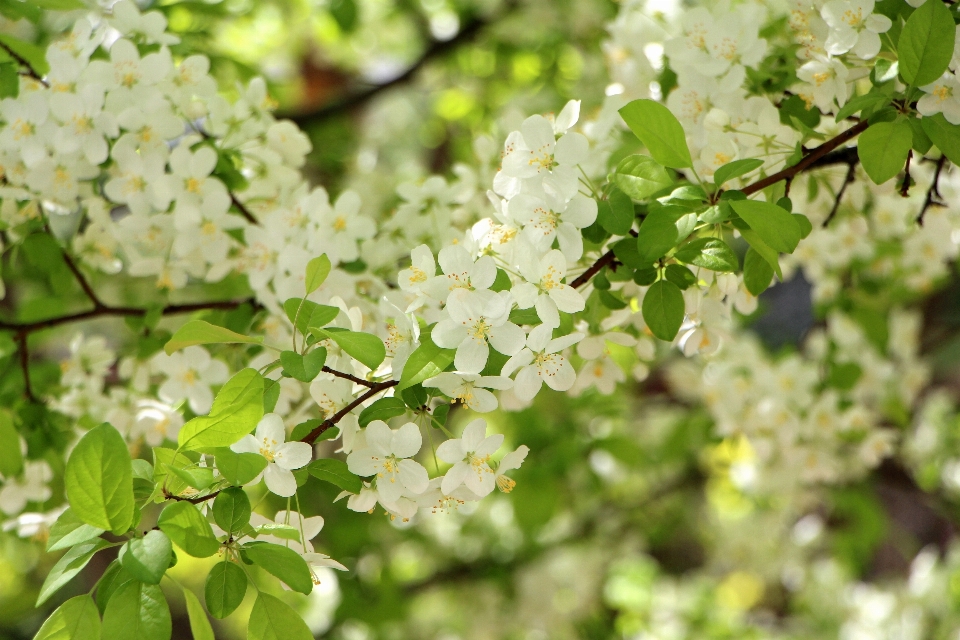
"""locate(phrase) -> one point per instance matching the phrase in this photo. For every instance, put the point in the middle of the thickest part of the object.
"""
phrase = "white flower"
(282, 457)
(307, 528)
(136, 180)
(422, 267)
(189, 375)
(31, 487)
(544, 290)
(478, 320)
(854, 26)
(152, 25)
(827, 78)
(386, 457)
(470, 388)
(84, 123)
(439, 501)
(470, 456)
(535, 151)
(460, 271)
(156, 422)
(511, 461)
(197, 193)
(546, 217)
(942, 96)
(540, 362)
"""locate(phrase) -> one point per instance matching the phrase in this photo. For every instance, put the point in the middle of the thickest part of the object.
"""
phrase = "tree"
(417, 345)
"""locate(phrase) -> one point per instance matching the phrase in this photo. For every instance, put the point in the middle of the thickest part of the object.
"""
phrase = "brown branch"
(848, 180)
(30, 72)
(75, 269)
(243, 209)
(905, 186)
(191, 500)
(934, 190)
(311, 437)
(435, 49)
(347, 376)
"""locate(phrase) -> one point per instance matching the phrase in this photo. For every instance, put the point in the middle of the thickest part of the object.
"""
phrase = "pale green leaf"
(660, 132)
(663, 309)
(201, 332)
(883, 149)
(926, 44)
(72, 562)
(283, 563)
(776, 227)
(188, 529)
(199, 624)
(99, 480)
(137, 611)
(272, 619)
(640, 177)
(317, 271)
(75, 619)
(236, 411)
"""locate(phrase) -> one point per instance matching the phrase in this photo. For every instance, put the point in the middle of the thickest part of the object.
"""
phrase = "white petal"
(270, 428)
(246, 444)
(406, 441)
(508, 338)
(280, 481)
(454, 477)
(413, 476)
(572, 149)
(471, 355)
(450, 451)
(293, 455)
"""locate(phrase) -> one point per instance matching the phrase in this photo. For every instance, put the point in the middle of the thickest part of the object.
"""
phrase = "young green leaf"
(284, 563)
(943, 134)
(883, 149)
(640, 177)
(709, 253)
(99, 480)
(69, 530)
(72, 562)
(615, 214)
(926, 44)
(239, 468)
(34, 56)
(188, 529)
(197, 477)
(11, 460)
(231, 509)
(224, 589)
(272, 619)
(775, 226)
(663, 309)
(363, 347)
(757, 272)
(147, 559)
(235, 412)
(111, 581)
(137, 611)
(660, 132)
(660, 232)
(335, 472)
(199, 624)
(427, 361)
(763, 249)
(317, 271)
(310, 314)
(303, 367)
(735, 169)
(201, 332)
(75, 619)
(382, 409)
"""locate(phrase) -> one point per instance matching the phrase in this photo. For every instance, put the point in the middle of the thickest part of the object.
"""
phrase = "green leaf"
(757, 272)
(137, 611)
(239, 468)
(68, 566)
(201, 332)
(148, 558)
(69, 530)
(311, 314)
(926, 44)
(75, 619)
(317, 271)
(197, 477)
(303, 367)
(59, 5)
(663, 309)
(35, 56)
(640, 177)
(224, 590)
(236, 410)
(382, 409)
(761, 247)
(11, 459)
(660, 132)
(678, 275)
(626, 252)
(427, 361)
(199, 624)
(943, 134)
(335, 472)
(867, 101)
(776, 227)
(804, 222)
(363, 347)
(616, 213)
(735, 169)
(9, 80)
(883, 149)
(272, 619)
(99, 480)
(284, 563)
(284, 531)
(188, 529)
(231, 509)
(709, 253)
(660, 232)
(113, 578)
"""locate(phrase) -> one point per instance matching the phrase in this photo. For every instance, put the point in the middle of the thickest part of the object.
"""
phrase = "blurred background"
(627, 519)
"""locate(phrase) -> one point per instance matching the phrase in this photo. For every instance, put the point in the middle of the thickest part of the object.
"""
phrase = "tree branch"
(848, 180)
(29, 70)
(934, 190)
(376, 388)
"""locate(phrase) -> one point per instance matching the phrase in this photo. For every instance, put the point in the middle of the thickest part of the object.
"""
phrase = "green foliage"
(69, 530)
(382, 409)
(943, 134)
(317, 271)
(660, 132)
(709, 253)
(757, 272)
(231, 510)
(336, 473)
(735, 169)
(285, 564)
(303, 367)
(427, 361)
(661, 231)
(99, 480)
(235, 412)
(239, 468)
(147, 558)
(11, 460)
(364, 347)
(75, 619)
(663, 309)
(883, 149)
(272, 619)
(188, 529)
(640, 177)
(224, 589)
(139, 612)
(926, 44)
(72, 562)
(199, 624)
(776, 227)
(201, 332)
(305, 314)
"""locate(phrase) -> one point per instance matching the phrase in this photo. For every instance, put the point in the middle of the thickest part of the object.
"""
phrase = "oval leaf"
(943, 134)
(224, 590)
(775, 226)
(883, 150)
(200, 332)
(926, 44)
(335, 472)
(736, 169)
(640, 177)
(663, 309)
(284, 563)
(317, 271)
(427, 361)
(72, 562)
(660, 132)
(709, 253)
(199, 624)
(231, 509)
(272, 619)
(147, 559)
(99, 480)
(188, 529)
(137, 611)
(75, 619)
(236, 410)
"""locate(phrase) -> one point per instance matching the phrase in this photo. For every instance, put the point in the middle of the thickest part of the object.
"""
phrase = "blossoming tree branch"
(644, 229)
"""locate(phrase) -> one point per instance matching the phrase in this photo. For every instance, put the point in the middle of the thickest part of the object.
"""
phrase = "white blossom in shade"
(189, 375)
(136, 179)
(942, 96)
(536, 151)
(470, 388)
(826, 80)
(90, 358)
(470, 457)
(422, 267)
(854, 26)
(148, 127)
(27, 127)
(152, 26)
(196, 192)
(30, 486)
(600, 370)
(365, 501)
(386, 456)
(83, 123)
(511, 461)
(477, 320)
(544, 290)
(307, 528)
(60, 179)
(156, 422)
(546, 218)
(343, 227)
(439, 501)
(128, 79)
(34, 525)
(286, 138)
(282, 457)
(460, 271)
(540, 362)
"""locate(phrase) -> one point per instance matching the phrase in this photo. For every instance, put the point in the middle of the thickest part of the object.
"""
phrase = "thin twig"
(311, 437)
(934, 190)
(347, 376)
(243, 209)
(848, 180)
(905, 186)
(30, 71)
